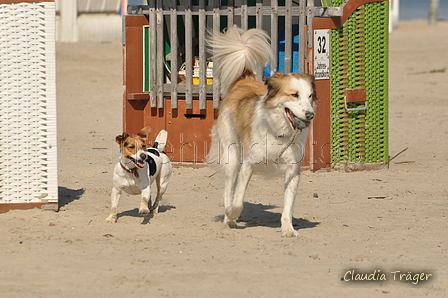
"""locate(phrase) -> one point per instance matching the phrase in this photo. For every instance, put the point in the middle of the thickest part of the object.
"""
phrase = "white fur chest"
(270, 152)
(129, 182)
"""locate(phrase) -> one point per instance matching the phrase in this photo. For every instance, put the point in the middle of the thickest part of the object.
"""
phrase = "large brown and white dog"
(137, 168)
(261, 125)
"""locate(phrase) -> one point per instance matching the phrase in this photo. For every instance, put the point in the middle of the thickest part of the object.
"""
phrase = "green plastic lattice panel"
(359, 60)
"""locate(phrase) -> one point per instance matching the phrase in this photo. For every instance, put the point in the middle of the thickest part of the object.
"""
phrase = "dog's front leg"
(115, 199)
(292, 178)
(146, 197)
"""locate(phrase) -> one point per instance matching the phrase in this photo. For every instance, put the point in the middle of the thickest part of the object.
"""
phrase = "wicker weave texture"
(359, 59)
(28, 147)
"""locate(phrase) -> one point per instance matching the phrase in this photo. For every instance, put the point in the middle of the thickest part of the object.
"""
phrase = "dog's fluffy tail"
(238, 52)
(161, 139)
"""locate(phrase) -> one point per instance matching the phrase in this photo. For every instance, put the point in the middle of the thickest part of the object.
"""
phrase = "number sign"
(321, 54)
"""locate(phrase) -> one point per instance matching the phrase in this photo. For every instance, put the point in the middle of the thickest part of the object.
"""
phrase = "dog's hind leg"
(115, 199)
(230, 172)
(162, 184)
(292, 178)
(161, 188)
(242, 182)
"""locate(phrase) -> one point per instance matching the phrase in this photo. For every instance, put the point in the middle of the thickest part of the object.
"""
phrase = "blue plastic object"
(281, 52)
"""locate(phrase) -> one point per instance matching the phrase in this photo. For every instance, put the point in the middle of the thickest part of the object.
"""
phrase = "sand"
(387, 220)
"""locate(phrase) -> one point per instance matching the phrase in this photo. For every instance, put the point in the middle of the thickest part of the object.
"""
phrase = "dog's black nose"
(309, 115)
(142, 156)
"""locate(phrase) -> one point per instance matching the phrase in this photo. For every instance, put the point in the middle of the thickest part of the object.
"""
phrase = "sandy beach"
(371, 222)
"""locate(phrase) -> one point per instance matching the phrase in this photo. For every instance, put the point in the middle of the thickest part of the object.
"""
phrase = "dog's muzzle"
(301, 124)
(141, 162)
(298, 123)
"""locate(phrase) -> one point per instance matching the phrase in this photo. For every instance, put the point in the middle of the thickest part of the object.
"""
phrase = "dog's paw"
(229, 223)
(143, 211)
(290, 233)
(111, 218)
(155, 210)
(232, 224)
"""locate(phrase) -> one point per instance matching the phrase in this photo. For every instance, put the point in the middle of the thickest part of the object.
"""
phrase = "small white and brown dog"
(137, 168)
(261, 125)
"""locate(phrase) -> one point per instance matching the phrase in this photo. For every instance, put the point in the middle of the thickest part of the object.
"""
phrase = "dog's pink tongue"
(141, 164)
(289, 114)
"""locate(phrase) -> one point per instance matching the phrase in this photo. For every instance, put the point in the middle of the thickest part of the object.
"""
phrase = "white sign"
(322, 54)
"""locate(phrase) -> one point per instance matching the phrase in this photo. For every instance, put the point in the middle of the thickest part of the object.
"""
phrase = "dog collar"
(133, 171)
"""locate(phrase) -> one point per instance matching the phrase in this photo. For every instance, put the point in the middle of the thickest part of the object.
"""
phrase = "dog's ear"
(314, 91)
(315, 99)
(144, 132)
(274, 84)
(311, 79)
(120, 139)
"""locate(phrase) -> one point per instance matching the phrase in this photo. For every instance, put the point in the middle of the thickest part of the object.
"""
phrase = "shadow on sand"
(146, 218)
(257, 215)
(67, 195)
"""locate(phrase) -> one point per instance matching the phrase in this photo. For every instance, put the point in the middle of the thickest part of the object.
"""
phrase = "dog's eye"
(296, 95)
(131, 147)
(144, 146)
